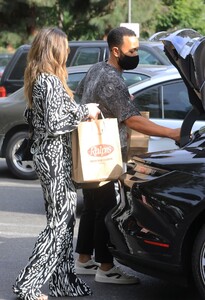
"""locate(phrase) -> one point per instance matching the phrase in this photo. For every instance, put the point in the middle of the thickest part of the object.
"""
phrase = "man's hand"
(175, 134)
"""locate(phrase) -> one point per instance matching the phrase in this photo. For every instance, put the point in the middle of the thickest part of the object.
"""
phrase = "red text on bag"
(100, 150)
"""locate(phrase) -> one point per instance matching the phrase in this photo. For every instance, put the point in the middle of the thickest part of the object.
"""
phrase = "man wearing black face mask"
(127, 62)
(105, 85)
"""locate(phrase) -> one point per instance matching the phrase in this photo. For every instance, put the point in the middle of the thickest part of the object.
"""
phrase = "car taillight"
(3, 92)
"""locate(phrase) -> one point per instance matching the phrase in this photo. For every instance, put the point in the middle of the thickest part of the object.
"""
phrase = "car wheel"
(20, 169)
(198, 261)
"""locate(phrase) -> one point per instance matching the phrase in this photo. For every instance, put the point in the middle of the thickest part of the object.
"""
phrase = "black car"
(158, 227)
(81, 53)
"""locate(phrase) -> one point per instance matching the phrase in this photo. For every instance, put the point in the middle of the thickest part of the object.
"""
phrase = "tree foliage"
(177, 14)
(89, 19)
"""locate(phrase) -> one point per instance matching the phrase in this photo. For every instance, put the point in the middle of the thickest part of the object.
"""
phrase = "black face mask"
(128, 62)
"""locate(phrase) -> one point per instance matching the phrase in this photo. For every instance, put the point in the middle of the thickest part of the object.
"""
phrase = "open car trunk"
(185, 49)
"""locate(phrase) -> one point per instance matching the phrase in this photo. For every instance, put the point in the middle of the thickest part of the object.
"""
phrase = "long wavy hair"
(48, 54)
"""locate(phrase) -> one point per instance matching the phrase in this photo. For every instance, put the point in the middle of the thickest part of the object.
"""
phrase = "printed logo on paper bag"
(100, 150)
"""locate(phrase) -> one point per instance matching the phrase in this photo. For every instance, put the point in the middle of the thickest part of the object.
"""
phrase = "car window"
(149, 100)
(4, 59)
(176, 100)
(133, 77)
(18, 70)
(86, 56)
(175, 104)
(74, 79)
(129, 77)
(147, 58)
(160, 50)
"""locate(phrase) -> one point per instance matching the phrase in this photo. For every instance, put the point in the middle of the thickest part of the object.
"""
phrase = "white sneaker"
(115, 275)
(88, 268)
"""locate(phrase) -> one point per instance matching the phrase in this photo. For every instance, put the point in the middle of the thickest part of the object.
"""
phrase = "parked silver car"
(13, 128)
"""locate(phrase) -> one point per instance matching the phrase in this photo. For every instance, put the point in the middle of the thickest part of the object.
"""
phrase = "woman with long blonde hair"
(54, 116)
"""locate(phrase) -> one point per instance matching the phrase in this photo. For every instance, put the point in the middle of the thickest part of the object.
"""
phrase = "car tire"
(20, 169)
(198, 262)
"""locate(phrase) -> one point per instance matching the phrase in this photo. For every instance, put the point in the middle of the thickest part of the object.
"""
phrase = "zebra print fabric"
(54, 117)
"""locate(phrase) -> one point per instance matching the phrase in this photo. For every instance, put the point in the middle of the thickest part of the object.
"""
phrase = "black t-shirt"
(105, 85)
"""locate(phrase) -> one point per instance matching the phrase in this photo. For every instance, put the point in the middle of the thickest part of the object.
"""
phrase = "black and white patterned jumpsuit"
(54, 117)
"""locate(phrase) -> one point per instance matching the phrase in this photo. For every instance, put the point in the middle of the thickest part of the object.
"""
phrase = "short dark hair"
(115, 36)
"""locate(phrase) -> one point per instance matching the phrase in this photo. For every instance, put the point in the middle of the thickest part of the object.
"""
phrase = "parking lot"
(22, 218)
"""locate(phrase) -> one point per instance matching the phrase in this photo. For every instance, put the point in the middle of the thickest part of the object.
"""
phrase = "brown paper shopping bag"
(137, 143)
(96, 152)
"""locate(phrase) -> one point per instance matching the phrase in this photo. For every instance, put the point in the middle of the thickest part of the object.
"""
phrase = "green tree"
(89, 19)
(19, 20)
(86, 19)
(143, 12)
(178, 14)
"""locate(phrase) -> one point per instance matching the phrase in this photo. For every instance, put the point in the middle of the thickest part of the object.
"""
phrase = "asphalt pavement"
(22, 218)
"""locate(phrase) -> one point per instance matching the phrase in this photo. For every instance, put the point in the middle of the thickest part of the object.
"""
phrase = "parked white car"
(165, 96)
(13, 127)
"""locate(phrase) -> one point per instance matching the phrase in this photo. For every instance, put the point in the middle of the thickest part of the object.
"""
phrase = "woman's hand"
(93, 109)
